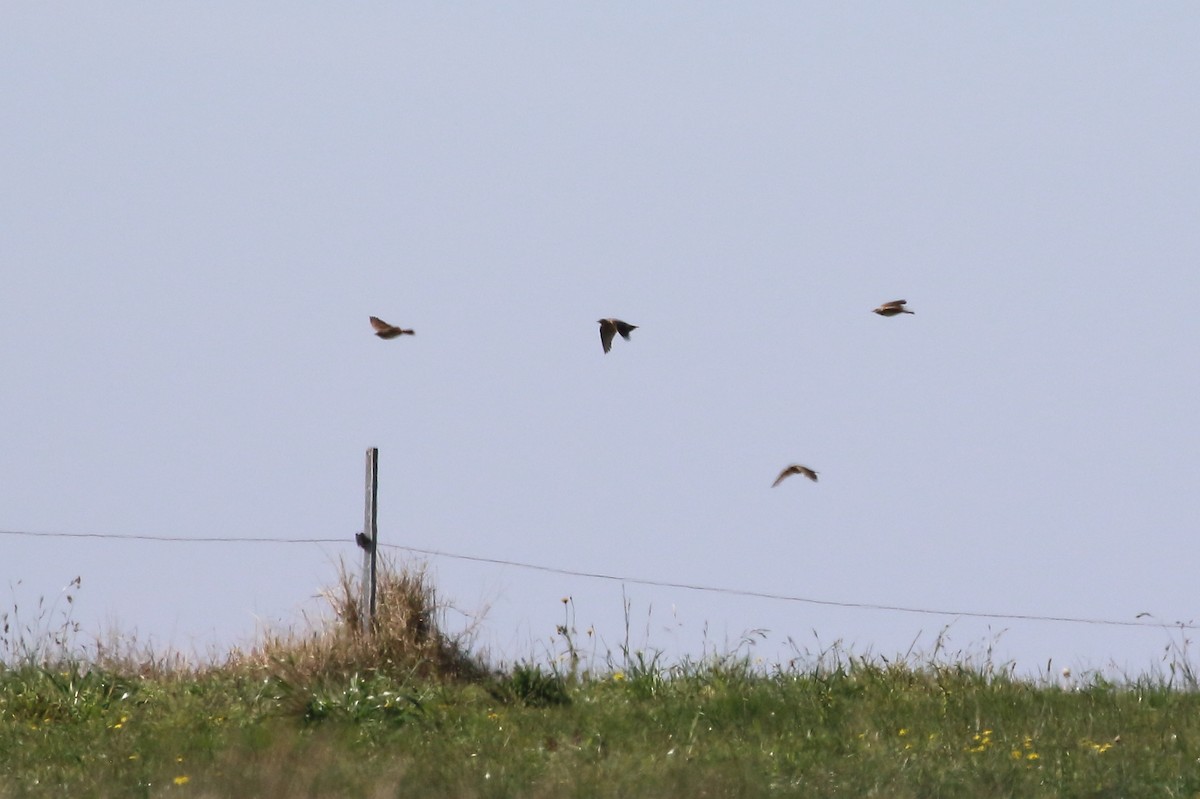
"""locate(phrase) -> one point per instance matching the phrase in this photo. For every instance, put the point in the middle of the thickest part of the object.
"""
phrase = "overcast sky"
(203, 202)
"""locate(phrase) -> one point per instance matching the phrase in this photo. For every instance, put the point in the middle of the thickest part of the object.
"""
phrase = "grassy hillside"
(407, 712)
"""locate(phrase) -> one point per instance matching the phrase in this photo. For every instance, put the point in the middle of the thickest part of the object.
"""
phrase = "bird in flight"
(610, 328)
(892, 308)
(795, 468)
(384, 330)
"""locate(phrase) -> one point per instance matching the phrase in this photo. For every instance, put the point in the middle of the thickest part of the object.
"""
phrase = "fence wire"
(970, 614)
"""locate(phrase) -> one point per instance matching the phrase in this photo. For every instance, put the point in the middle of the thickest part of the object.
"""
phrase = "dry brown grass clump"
(405, 639)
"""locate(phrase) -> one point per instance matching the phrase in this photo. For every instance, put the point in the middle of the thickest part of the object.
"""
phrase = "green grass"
(408, 712)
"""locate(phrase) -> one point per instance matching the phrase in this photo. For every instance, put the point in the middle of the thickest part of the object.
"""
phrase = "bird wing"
(380, 325)
(893, 304)
(784, 474)
(624, 328)
(795, 468)
(607, 331)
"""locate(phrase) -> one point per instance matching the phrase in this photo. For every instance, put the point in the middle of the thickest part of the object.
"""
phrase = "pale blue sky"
(203, 203)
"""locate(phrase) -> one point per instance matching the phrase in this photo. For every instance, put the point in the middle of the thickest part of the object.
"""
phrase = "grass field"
(407, 712)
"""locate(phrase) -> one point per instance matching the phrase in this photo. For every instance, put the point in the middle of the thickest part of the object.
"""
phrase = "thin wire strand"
(625, 579)
(790, 598)
(180, 538)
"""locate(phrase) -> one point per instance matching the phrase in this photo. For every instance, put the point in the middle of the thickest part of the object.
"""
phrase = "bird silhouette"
(610, 328)
(892, 308)
(384, 330)
(795, 468)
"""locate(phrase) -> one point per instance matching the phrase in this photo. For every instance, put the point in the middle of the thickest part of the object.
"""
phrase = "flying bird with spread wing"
(795, 468)
(893, 308)
(610, 328)
(384, 330)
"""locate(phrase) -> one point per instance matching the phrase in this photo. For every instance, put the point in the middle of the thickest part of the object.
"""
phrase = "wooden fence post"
(371, 534)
